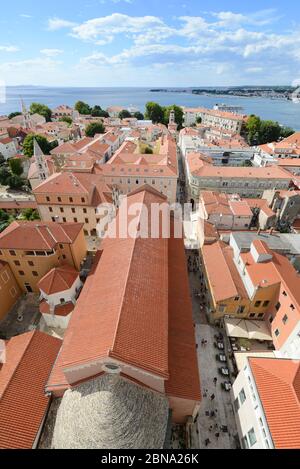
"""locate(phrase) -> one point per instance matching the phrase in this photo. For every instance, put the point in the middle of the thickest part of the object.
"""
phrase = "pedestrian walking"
(207, 442)
(212, 397)
(217, 435)
(210, 428)
(215, 381)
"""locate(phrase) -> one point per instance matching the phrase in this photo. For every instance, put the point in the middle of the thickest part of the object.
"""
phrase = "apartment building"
(224, 211)
(129, 169)
(281, 207)
(266, 399)
(228, 292)
(8, 148)
(233, 150)
(246, 181)
(69, 197)
(32, 249)
(9, 289)
(215, 118)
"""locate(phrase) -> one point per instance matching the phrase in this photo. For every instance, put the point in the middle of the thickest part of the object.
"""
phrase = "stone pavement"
(208, 369)
(27, 308)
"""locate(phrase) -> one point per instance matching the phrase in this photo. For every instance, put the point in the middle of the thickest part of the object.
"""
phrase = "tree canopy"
(138, 115)
(83, 108)
(124, 114)
(178, 115)
(66, 119)
(14, 114)
(46, 146)
(264, 131)
(42, 110)
(16, 166)
(97, 111)
(154, 112)
(94, 128)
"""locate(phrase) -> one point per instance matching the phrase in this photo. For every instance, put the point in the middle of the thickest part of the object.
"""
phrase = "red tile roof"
(23, 404)
(35, 235)
(58, 279)
(278, 384)
(135, 306)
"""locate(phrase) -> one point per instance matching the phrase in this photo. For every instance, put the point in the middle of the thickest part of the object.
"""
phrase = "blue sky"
(149, 43)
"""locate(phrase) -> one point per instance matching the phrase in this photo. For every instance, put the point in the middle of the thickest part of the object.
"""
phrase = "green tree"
(97, 111)
(94, 128)
(2, 159)
(16, 166)
(154, 112)
(4, 175)
(42, 110)
(124, 114)
(14, 114)
(66, 119)
(83, 108)
(178, 115)
(46, 146)
(269, 132)
(138, 115)
(198, 120)
(253, 126)
(15, 182)
(30, 214)
(286, 132)
(147, 151)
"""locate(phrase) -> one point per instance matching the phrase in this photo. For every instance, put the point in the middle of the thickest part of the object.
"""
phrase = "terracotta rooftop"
(135, 307)
(38, 235)
(23, 403)
(278, 384)
(58, 279)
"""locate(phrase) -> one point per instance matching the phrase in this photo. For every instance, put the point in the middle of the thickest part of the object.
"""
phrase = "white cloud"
(57, 23)
(24, 15)
(9, 48)
(51, 52)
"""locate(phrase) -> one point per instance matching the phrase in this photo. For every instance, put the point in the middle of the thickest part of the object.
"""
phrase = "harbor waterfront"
(283, 111)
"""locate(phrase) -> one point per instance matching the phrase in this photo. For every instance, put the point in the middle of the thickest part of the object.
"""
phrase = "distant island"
(273, 92)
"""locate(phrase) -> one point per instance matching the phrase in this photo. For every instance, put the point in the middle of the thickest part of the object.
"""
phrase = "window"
(12, 253)
(59, 199)
(61, 210)
(257, 304)
(236, 298)
(266, 303)
(242, 396)
(53, 219)
(222, 308)
(260, 315)
(64, 256)
(64, 219)
(75, 220)
(236, 404)
(277, 307)
(82, 200)
(48, 199)
(252, 437)
(240, 309)
(277, 332)
(50, 209)
(71, 199)
(284, 293)
(252, 315)
(285, 319)
(271, 319)
(21, 273)
(292, 307)
(31, 263)
(17, 263)
(35, 274)
(86, 220)
(84, 210)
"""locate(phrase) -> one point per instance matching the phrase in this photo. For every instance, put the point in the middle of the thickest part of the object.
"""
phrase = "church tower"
(172, 123)
(27, 124)
(40, 161)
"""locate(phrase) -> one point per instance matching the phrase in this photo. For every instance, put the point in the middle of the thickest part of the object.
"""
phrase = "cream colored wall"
(89, 219)
(9, 291)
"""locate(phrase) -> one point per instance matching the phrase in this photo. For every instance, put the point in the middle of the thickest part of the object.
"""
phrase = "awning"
(247, 329)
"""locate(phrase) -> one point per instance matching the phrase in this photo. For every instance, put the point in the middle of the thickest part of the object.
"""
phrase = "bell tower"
(40, 161)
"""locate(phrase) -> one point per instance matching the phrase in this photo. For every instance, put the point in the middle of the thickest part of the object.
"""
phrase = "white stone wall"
(250, 413)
